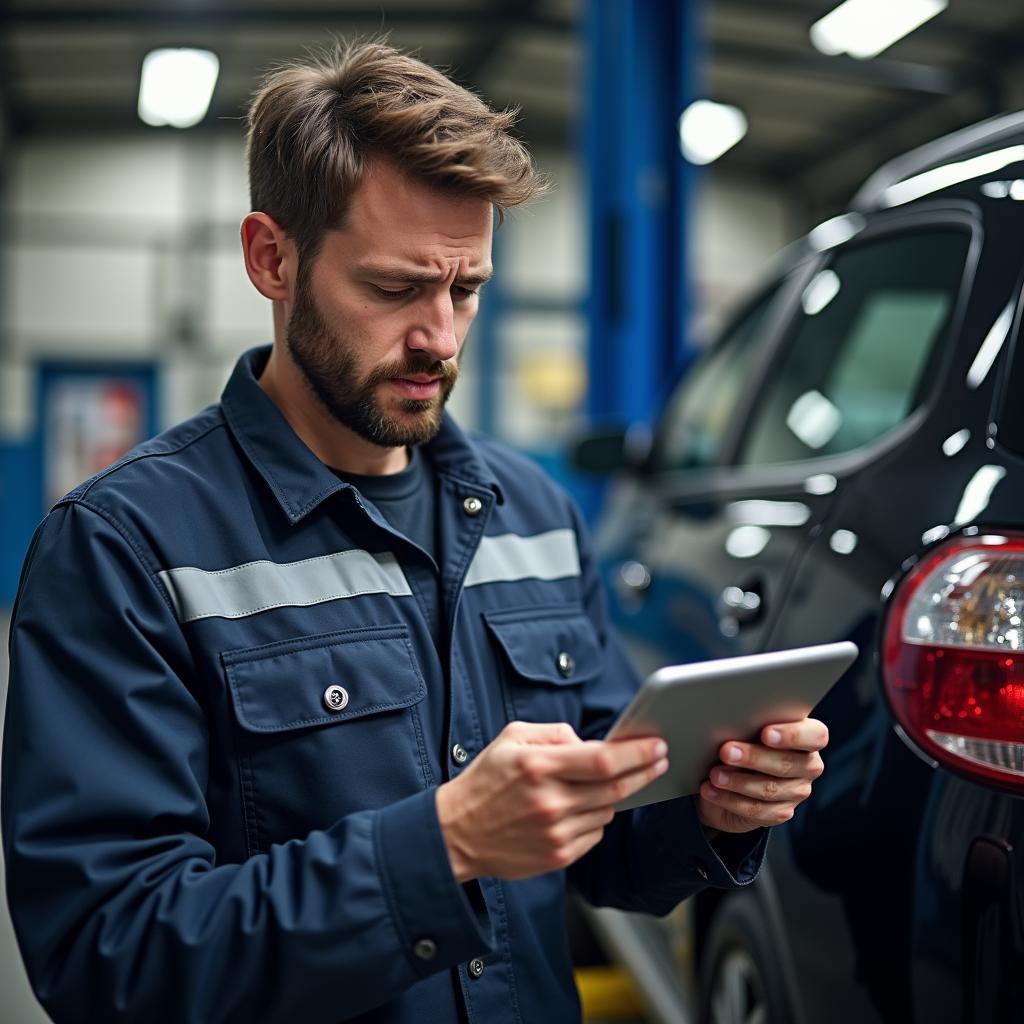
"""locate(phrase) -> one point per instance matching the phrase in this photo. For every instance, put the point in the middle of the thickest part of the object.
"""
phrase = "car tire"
(740, 973)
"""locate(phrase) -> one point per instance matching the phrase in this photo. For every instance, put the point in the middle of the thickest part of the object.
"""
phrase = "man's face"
(380, 316)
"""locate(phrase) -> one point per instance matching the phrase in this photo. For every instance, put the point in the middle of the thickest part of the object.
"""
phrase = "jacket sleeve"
(650, 857)
(121, 911)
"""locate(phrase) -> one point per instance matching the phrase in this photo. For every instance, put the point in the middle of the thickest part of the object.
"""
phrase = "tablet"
(696, 708)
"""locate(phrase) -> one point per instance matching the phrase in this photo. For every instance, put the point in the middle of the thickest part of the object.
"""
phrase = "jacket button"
(335, 698)
(459, 754)
(565, 664)
(476, 968)
(425, 949)
(472, 506)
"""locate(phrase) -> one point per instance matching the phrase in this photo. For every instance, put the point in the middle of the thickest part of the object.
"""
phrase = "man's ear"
(271, 260)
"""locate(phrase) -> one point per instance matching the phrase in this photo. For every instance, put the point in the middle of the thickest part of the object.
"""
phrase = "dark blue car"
(847, 462)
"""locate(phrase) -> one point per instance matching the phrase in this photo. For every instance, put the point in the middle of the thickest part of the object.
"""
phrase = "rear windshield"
(857, 358)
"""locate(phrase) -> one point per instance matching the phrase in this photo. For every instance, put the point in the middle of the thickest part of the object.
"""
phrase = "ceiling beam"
(484, 18)
(833, 173)
(535, 126)
(483, 50)
(886, 74)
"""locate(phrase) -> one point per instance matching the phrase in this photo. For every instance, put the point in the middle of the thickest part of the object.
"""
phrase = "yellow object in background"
(608, 993)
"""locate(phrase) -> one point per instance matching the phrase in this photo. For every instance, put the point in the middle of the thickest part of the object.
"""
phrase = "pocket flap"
(295, 683)
(548, 644)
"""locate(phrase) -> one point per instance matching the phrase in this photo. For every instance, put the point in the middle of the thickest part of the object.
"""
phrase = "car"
(846, 462)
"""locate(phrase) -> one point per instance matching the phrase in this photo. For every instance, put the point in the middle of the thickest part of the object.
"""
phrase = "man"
(307, 693)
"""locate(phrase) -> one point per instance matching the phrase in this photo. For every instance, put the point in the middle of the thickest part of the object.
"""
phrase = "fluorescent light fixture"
(864, 28)
(707, 130)
(176, 87)
(951, 174)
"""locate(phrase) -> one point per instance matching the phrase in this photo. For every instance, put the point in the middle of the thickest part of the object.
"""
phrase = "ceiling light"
(707, 130)
(176, 87)
(864, 28)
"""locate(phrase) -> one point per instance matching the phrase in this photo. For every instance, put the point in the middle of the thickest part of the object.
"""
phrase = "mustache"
(447, 371)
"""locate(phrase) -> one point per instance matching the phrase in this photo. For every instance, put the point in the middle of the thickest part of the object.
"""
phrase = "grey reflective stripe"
(544, 556)
(258, 586)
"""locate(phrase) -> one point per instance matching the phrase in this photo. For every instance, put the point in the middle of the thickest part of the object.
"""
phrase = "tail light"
(953, 657)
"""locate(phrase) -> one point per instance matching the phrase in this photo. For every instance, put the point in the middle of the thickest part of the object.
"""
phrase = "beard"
(328, 365)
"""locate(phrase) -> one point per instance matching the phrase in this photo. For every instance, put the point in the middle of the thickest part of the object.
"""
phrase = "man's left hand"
(760, 784)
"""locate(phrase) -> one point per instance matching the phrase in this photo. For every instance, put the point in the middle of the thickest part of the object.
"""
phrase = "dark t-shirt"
(408, 501)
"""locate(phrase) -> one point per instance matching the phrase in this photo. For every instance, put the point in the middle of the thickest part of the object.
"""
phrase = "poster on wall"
(90, 421)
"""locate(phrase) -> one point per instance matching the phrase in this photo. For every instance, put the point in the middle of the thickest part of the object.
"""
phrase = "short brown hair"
(313, 124)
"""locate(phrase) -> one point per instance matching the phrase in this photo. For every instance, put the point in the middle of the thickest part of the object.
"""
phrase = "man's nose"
(434, 331)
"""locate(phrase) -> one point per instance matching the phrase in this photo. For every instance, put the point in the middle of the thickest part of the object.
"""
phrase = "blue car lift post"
(641, 60)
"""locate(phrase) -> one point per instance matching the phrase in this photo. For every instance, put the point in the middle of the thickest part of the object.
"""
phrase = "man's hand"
(538, 798)
(759, 785)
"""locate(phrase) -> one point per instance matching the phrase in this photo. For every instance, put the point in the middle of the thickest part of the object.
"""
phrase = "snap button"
(472, 506)
(335, 698)
(565, 664)
(459, 754)
(425, 949)
(476, 967)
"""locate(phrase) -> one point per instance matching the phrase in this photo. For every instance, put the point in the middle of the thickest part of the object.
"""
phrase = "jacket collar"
(296, 477)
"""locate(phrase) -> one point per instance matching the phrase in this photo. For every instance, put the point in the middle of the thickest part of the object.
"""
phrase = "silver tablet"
(696, 708)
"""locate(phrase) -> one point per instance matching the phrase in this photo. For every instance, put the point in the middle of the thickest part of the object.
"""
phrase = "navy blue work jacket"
(227, 720)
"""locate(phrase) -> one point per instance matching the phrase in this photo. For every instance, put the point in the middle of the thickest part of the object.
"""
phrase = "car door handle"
(743, 604)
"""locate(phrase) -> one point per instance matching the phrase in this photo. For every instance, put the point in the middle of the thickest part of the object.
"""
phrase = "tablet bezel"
(697, 707)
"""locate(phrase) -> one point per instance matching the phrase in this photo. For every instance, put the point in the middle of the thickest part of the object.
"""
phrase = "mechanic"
(307, 692)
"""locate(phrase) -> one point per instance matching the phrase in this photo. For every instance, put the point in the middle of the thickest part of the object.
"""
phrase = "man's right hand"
(538, 798)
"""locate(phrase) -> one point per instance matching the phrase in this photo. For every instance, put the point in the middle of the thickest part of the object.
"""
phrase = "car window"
(858, 355)
(699, 412)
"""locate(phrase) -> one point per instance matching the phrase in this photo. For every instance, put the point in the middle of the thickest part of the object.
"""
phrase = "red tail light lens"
(953, 657)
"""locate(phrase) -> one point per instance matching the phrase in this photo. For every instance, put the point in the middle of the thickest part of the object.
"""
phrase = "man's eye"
(388, 293)
(463, 294)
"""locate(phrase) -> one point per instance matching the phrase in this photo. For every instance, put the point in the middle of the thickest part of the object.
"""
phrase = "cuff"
(727, 860)
(435, 921)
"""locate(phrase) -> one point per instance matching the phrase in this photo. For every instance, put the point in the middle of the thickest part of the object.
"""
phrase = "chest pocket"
(546, 655)
(326, 725)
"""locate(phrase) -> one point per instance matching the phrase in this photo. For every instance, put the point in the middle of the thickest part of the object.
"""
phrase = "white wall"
(115, 244)
(738, 225)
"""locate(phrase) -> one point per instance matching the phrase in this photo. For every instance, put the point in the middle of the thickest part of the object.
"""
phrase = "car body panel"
(897, 887)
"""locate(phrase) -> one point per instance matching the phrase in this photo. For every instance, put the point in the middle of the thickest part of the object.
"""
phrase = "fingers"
(572, 852)
(784, 764)
(750, 812)
(761, 787)
(808, 734)
(588, 795)
(597, 761)
(576, 825)
(554, 733)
